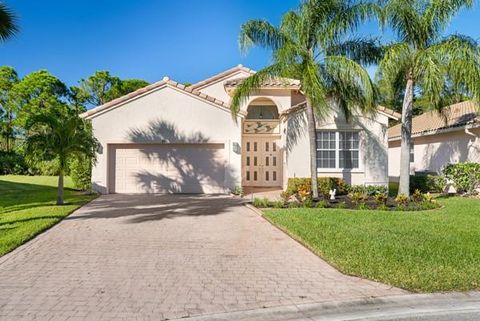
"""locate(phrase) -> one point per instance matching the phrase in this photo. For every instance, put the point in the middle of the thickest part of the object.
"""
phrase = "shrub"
(428, 198)
(322, 204)
(426, 205)
(381, 199)
(12, 163)
(363, 206)
(285, 196)
(402, 200)
(81, 173)
(370, 190)
(278, 204)
(427, 183)
(435, 183)
(417, 196)
(465, 176)
(382, 207)
(304, 192)
(261, 202)
(308, 202)
(325, 184)
(237, 191)
(293, 205)
(357, 197)
(342, 205)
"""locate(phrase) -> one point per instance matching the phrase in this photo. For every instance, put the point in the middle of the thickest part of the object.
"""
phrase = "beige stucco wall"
(373, 147)
(435, 151)
(216, 88)
(167, 115)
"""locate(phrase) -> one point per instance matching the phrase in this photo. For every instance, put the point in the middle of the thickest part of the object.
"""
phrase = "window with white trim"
(338, 149)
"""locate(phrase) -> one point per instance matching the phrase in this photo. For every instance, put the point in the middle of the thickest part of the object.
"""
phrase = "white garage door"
(168, 168)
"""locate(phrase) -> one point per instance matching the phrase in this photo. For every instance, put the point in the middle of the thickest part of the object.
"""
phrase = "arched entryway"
(262, 152)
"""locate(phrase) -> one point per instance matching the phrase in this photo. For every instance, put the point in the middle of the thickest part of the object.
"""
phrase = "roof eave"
(439, 131)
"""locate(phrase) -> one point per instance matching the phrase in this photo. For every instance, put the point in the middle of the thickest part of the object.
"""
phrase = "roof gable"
(165, 82)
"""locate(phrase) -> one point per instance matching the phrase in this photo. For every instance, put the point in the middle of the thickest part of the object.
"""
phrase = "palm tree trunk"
(406, 135)
(313, 148)
(60, 188)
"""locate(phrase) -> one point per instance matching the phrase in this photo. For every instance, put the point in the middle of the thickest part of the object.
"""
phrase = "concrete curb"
(382, 308)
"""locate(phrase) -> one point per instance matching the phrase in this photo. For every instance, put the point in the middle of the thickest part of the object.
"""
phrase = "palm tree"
(310, 46)
(52, 136)
(8, 23)
(422, 61)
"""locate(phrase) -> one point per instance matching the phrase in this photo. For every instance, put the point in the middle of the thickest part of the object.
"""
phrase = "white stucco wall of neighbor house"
(433, 152)
(373, 149)
(165, 116)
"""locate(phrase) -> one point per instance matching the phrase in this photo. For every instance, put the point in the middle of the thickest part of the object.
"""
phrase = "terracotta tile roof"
(273, 82)
(164, 82)
(221, 75)
(389, 112)
(381, 109)
(456, 115)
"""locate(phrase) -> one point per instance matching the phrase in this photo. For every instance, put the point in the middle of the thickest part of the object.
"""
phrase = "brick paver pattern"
(153, 257)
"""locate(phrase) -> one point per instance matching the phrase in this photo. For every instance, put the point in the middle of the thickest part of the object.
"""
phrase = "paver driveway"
(165, 256)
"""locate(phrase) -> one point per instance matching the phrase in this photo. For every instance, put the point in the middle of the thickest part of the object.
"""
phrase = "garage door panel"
(169, 169)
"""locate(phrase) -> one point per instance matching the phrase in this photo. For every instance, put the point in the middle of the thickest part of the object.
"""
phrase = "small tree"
(62, 137)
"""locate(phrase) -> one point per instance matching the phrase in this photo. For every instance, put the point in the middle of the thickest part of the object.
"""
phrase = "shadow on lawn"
(29, 219)
(153, 207)
(15, 196)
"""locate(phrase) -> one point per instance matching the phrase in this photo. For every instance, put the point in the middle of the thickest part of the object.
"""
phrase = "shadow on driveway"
(141, 208)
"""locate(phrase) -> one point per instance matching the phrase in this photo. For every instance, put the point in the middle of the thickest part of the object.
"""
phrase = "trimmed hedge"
(370, 190)
(325, 184)
(427, 183)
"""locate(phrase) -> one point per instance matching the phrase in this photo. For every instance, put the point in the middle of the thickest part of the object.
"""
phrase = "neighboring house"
(438, 139)
(168, 138)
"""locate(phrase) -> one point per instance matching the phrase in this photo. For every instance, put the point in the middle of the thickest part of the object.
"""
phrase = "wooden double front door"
(261, 161)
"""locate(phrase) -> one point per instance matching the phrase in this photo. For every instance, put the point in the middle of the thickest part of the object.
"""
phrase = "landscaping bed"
(335, 193)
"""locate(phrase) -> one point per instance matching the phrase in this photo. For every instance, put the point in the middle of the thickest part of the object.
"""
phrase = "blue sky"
(187, 40)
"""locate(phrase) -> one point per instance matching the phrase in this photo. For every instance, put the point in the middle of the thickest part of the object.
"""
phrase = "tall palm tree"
(8, 23)
(423, 61)
(310, 45)
(52, 136)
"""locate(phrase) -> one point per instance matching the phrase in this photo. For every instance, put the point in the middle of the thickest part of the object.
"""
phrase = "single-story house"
(171, 138)
(438, 139)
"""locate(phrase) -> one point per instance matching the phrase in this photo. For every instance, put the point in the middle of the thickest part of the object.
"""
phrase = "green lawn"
(428, 251)
(27, 207)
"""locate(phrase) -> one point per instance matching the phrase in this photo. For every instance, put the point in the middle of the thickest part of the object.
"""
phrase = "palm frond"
(362, 50)
(406, 22)
(351, 85)
(260, 33)
(347, 18)
(314, 87)
(438, 14)
(8, 23)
